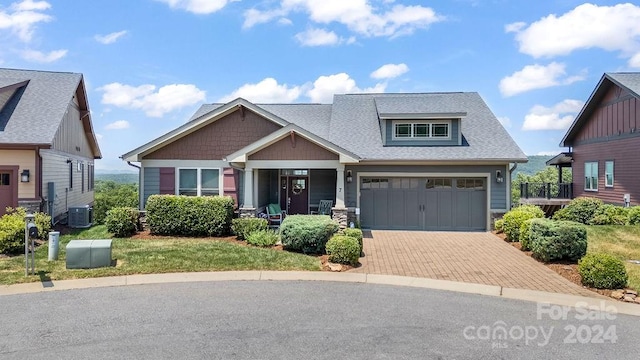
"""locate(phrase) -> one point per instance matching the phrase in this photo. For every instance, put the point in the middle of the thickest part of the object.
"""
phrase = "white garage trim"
(487, 176)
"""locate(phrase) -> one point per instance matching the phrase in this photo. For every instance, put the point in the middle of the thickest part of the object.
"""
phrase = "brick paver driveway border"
(476, 257)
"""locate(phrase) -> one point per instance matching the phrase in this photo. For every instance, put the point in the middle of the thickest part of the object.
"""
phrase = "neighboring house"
(436, 161)
(47, 144)
(603, 142)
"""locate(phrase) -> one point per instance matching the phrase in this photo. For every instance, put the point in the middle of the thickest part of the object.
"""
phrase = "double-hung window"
(608, 174)
(425, 129)
(591, 176)
(199, 182)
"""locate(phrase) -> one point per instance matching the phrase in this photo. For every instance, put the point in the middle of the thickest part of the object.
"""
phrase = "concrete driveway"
(479, 257)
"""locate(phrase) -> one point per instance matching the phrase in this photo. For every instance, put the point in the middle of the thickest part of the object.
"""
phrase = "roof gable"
(630, 82)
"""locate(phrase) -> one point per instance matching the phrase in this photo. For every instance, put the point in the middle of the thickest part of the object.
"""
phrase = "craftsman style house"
(435, 161)
(47, 144)
(603, 142)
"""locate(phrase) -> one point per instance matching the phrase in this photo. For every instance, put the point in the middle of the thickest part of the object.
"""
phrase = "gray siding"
(455, 129)
(71, 137)
(151, 183)
(56, 169)
(498, 195)
(322, 186)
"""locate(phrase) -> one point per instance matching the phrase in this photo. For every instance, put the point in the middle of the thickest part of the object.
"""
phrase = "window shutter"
(167, 180)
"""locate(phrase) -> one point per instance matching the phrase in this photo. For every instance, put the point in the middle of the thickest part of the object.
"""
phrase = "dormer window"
(421, 129)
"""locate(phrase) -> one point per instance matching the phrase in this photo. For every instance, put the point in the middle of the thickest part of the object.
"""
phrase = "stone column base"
(32, 206)
(340, 215)
(247, 212)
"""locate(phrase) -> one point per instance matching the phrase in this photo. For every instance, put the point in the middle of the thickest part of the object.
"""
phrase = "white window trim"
(428, 138)
(199, 179)
(585, 176)
(613, 166)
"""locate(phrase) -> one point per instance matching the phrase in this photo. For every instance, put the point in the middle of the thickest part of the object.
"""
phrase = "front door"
(8, 190)
(294, 194)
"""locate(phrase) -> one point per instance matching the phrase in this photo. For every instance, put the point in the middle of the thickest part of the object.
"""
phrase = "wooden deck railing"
(546, 191)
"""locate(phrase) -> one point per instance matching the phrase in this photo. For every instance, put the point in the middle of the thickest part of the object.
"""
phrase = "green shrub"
(109, 194)
(498, 225)
(580, 210)
(12, 226)
(557, 240)
(343, 249)
(602, 271)
(242, 227)
(265, 237)
(307, 233)
(610, 215)
(354, 233)
(189, 215)
(514, 218)
(634, 215)
(122, 221)
(525, 235)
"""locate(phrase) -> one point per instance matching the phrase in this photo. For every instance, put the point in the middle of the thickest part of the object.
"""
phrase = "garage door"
(448, 204)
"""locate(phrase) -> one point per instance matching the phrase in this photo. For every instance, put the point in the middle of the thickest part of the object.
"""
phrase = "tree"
(109, 194)
(547, 175)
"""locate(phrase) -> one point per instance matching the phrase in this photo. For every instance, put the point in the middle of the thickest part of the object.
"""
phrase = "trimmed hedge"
(189, 215)
(581, 209)
(343, 249)
(12, 229)
(610, 215)
(122, 221)
(265, 238)
(354, 233)
(242, 227)
(498, 225)
(307, 233)
(525, 235)
(634, 215)
(602, 271)
(514, 219)
(557, 240)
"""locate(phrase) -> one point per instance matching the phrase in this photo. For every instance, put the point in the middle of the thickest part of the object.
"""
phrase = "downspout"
(511, 170)
(140, 195)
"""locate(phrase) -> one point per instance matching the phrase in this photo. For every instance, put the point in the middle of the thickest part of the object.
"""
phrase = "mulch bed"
(565, 269)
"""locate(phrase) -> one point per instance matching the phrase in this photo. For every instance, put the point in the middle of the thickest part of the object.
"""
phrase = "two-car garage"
(424, 203)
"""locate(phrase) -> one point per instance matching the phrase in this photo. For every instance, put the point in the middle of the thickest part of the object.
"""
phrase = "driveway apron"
(473, 257)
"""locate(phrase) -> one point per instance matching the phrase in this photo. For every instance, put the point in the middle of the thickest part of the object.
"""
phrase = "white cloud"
(557, 117)
(154, 103)
(326, 86)
(41, 57)
(536, 76)
(266, 91)
(635, 61)
(359, 16)
(318, 37)
(110, 38)
(22, 18)
(612, 28)
(197, 6)
(505, 121)
(99, 136)
(390, 71)
(118, 125)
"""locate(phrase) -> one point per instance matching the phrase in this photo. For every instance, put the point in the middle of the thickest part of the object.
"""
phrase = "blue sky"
(149, 64)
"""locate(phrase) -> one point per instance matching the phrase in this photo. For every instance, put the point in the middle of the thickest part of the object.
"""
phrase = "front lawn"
(620, 241)
(157, 255)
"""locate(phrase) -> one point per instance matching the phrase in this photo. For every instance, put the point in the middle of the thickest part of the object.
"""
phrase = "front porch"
(297, 189)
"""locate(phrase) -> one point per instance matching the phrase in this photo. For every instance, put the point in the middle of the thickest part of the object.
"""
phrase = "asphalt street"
(302, 320)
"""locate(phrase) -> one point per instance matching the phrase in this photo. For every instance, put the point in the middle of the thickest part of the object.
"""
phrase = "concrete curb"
(471, 288)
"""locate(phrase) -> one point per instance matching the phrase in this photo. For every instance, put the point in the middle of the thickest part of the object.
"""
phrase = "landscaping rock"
(618, 294)
(637, 300)
(629, 299)
(335, 267)
(631, 292)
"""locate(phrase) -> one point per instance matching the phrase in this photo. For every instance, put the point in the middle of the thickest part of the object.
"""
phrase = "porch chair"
(275, 215)
(324, 208)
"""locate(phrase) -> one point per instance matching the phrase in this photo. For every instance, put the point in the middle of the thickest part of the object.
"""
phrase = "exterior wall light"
(499, 177)
(24, 176)
(349, 177)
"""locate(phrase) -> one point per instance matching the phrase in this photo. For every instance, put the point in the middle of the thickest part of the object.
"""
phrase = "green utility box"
(88, 254)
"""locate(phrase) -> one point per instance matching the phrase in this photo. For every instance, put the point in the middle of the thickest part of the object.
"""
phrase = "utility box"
(88, 254)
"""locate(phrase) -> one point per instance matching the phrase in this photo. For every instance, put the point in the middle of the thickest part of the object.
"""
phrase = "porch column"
(248, 209)
(340, 186)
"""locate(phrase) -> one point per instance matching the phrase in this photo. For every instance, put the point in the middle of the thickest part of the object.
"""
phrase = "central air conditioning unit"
(80, 217)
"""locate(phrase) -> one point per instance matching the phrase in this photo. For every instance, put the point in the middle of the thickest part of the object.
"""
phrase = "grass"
(620, 241)
(143, 256)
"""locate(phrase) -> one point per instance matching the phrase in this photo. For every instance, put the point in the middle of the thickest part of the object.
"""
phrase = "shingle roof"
(352, 123)
(42, 106)
(629, 80)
